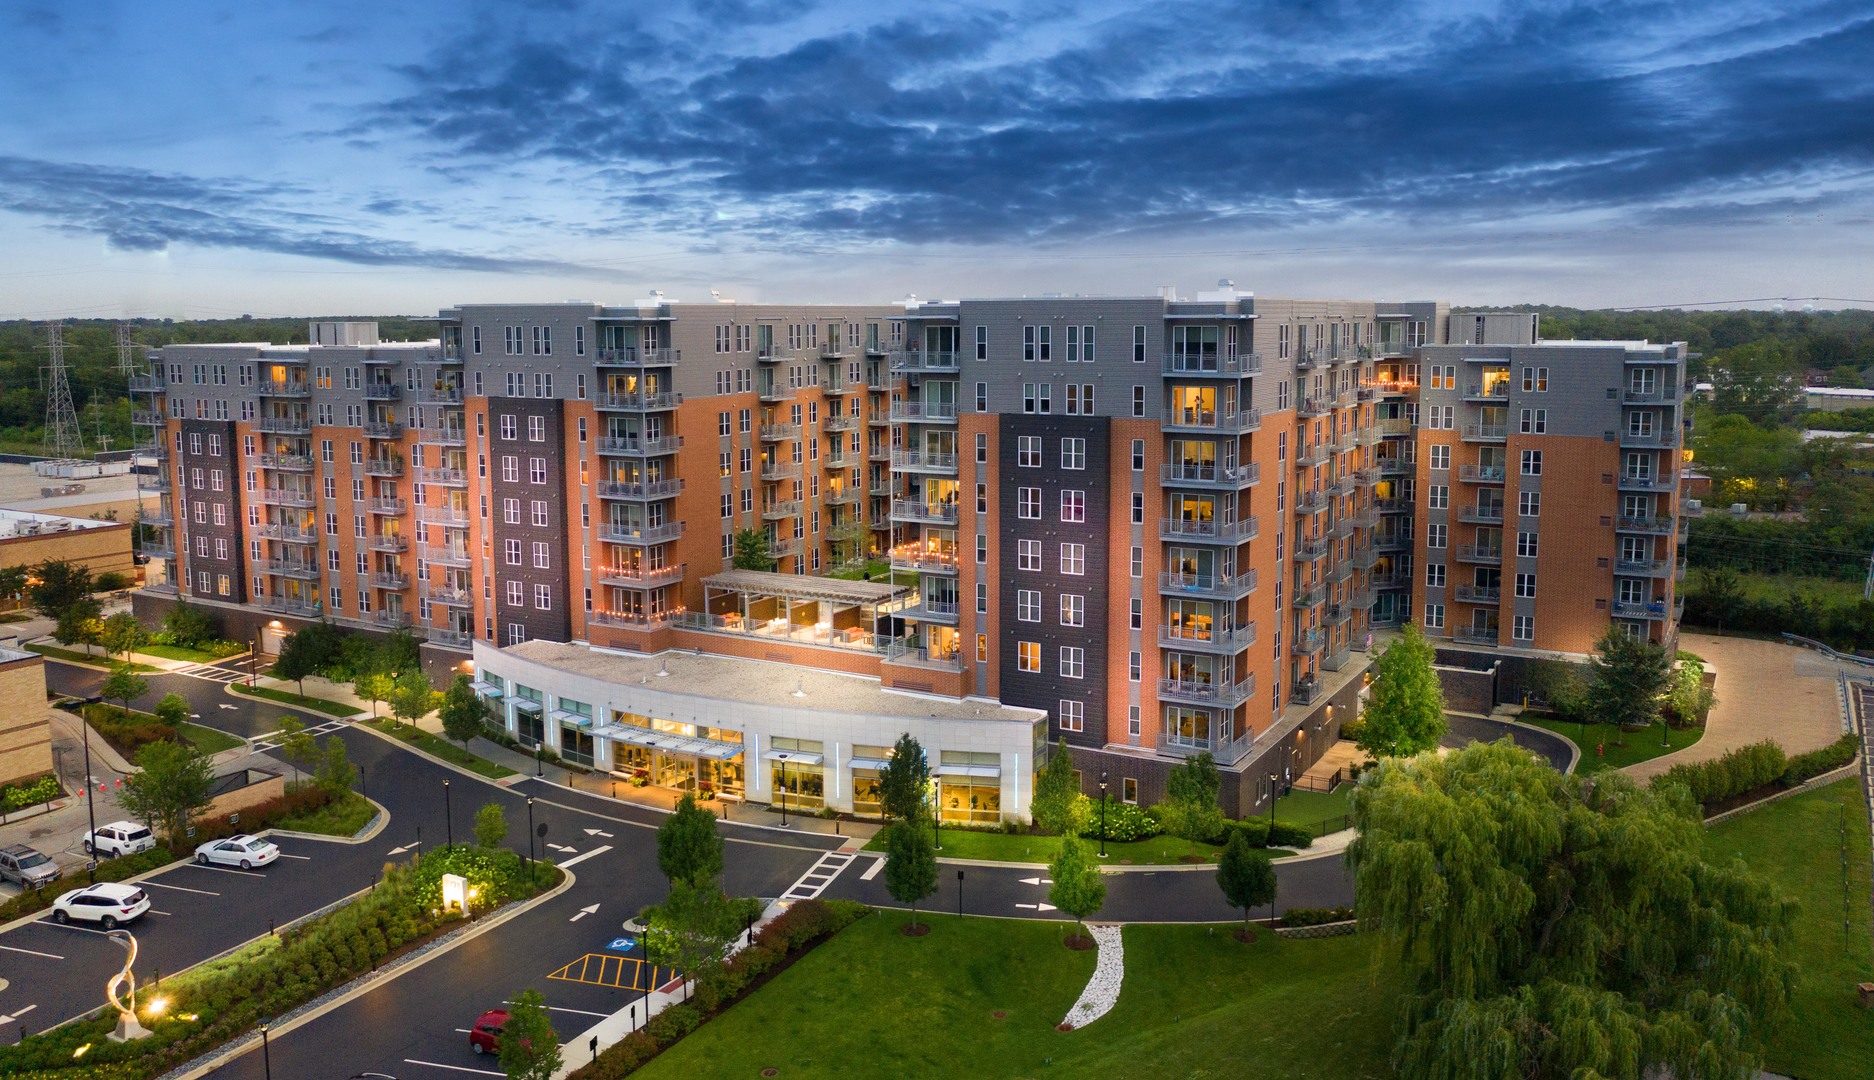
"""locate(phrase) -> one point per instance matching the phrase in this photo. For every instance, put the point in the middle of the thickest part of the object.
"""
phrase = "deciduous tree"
(1056, 804)
(122, 633)
(1512, 895)
(123, 685)
(462, 712)
(904, 782)
(1406, 714)
(1190, 809)
(173, 710)
(412, 697)
(375, 686)
(188, 625)
(171, 785)
(299, 657)
(57, 584)
(529, 1047)
(1246, 876)
(688, 847)
(752, 551)
(910, 862)
(78, 623)
(491, 825)
(336, 773)
(298, 748)
(1079, 889)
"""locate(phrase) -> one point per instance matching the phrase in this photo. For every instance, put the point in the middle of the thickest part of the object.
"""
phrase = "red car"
(487, 1031)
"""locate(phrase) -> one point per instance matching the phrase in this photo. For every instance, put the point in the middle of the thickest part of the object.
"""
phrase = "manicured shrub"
(1314, 916)
(1738, 772)
(1283, 834)
(673, 1023)
(1123, 821)
(1255, 830)
(1808, 766)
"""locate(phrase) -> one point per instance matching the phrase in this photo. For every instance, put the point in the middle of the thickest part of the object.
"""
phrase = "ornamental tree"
(904, 783)
(910, 863)
(1056, 803)
(463, 712)
(171, 784)
(1078, 889)
(1246, 876)
(1406, 714)
(1554, 928)
(688, 846)
(529, 1048)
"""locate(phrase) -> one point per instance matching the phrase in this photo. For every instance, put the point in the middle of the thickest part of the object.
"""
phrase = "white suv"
(109, 904)
(119, 838)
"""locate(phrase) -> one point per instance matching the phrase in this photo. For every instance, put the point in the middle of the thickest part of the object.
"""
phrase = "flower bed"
(220, 1000)
(784, 939)
(20, 796)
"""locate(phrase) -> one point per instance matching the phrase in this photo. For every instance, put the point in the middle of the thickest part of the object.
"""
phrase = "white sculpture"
(125, 983)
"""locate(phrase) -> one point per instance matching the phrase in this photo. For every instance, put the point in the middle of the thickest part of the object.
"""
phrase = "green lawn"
(180, 652)
(1196, 1003)
(342, 818)
(1641, 745)
(1002, 847)
(77, 657)
(301, 701)
(1314, 807)
(1799, 844)
(208, 740)
(1779, 586)
(442, 748)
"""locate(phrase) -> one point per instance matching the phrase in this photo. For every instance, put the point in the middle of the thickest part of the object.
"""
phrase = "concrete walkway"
(1766, 690)
(60, 832)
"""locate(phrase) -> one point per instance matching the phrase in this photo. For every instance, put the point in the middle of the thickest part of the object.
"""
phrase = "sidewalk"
(60, 833)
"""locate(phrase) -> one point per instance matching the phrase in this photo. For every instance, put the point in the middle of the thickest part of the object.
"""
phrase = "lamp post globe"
(1102, 813)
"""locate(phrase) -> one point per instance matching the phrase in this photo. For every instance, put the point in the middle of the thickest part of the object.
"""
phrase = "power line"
(63, 437)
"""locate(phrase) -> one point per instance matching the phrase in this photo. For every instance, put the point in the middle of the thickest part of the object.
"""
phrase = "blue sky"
(203, 159)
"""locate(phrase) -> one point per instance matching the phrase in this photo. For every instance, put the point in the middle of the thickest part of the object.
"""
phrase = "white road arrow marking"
(1037, 881)
(1036, 907)
(233, 707)
(195, 716)
(400, 850)
(562, 847)
(9, 1021)
(583, 912)
(595, 832)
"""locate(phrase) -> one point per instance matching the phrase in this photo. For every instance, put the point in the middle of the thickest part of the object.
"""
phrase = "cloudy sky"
(205, 159)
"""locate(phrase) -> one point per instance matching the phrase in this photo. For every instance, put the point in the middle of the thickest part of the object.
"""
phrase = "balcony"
(1651, 610)
(1651, 395)
(639, 490)
(298, 569)
(636, 402)
(878, 418)
(1481, 514)
(637, 620)
(1337, 659)
(1486, 432)
(1475, 635)
(454, 517)
(920, 561)
(1225, 640)
(386, 429)
(1206, 365)
(393, 582)
(447, 638)
(1227, 422)
(1230, 477)
(149, 384)
(1185, 530)
(930, 360)
(1493, 392)
(780, 470)
(632, 356)
(910, 653)
(1199, 692)
(836, 422)
(916, 461)
(157, 549)
(1360, 598)
(1312, 550)
(432, 395)
(784, 546)
(1649, 440)
(1307, 359)
(449, 354)
(915, 510)
(442, 554)
(1477, 594)
(779, 432)
(640, 535)
(1309, 596)
(448, 595)
(1224, 751)
(1366, 517)
(392, 543)
(1314, 407)
(1208, 586)
(1478, 553)
(288, 389)
(442, 436)
(924, 412)
(1308, 642)
(1364, 558)
(286, 605)
(1658, 568)
(287, 497)
(1649, 526)
(396, 620)
(837, 387)
(1394, 580)
(1342, 485)
(446, 477)
(1396, 466)
(283, 425)
(1482, 474)
(772, 391)
(382, 391)
(639, 577)
(839, 459)
(391, 506)
(639, 446)
(383, 466)
(146, 418)
(1399, 540)
(843, 497)
(937, 611)
(285, 462)
(1649, 482)
(1307, 457)
(1313, 502)
(780, 511)
(285, 534)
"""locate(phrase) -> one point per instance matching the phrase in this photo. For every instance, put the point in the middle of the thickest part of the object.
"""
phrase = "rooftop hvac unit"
(1694, 506)
(1739, 509)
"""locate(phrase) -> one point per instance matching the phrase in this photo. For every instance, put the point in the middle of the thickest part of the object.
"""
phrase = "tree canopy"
(529, 1048)
(1079, 889)
(1246, 875)
(904, 782)
(688, 846)
(171, 784)
(1628, 677)
(462, 712)
(752, 551)
(58, 584)
(1554, 928)
(1406, 714)
(1190, 810)
(910, 862)
(1056, 804)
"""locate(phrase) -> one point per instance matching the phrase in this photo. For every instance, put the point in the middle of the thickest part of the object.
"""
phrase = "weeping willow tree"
(1556, 929)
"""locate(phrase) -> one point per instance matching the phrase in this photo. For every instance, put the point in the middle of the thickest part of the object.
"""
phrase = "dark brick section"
(1470, 680)
(554, 624)
(227, 463)
(1046, 689)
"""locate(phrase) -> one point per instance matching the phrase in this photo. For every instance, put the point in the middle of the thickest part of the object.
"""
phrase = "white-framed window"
(1028, 503)
(1532, 463)
(1028, 451)
(1073, 453)
(543, 597)
(543, 555)
(1028, 605)
(1028, 554)
(517, 593)
(1434, 616)
(1437, 496)
(1074, 559)
(1535, 380)
(1435, 575)
(511, 550)
(1522, 628)
(982, 343)
(539, 513)
(1028, 656)
(1073, 505)
(1534, 422)
(1435, 533)
(1073, 662)
(1073, 609)
(1529, 503)
(1526, 585)
(1138, 344)
(1134, 667)
(1073, 714)
(510, 427)
(511, 511)
(536, 429)
(1526, 545)
(1440, 456)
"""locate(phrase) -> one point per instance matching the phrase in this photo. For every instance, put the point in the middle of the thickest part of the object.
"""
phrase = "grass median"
(208, 740)
(436, 746)
(341, 817)
(53, 652)
(1020, 848)
(298, 701)
(1639, 745)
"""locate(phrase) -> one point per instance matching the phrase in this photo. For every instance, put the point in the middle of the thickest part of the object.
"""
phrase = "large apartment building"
(1144, 527)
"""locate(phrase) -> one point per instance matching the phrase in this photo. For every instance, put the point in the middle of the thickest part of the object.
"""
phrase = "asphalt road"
(415, 1025)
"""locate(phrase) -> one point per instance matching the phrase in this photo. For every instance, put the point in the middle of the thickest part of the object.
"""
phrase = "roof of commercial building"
(17, 523)
(804, 587)
(759, 682)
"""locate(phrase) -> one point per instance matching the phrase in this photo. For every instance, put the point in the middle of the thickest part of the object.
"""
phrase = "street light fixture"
(1272, 790)
(781, 796)
(530, 839)
(91, 810)
(448, 818)
(936, 814)
(1102, 813)
(266, 1052)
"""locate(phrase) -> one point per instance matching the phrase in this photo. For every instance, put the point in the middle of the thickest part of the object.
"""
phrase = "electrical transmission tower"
(126, 361)
(63, 437)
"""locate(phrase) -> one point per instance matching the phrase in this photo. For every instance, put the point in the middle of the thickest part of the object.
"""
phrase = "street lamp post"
(540, 761)
(91, 810)
(530, 839)
(936, 814)
(781, 796)
(959, 894)
(266, 1052)
(448, 818)
(1102, 813)
(1272, 790)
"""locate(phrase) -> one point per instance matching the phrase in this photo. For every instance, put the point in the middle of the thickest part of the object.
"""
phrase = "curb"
(1142, 868)
(229, 689)
(367, 982)
(372, 828)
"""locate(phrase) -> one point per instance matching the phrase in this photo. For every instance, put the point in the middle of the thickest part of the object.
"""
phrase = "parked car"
(243, 851)
(27, 867)
(119, 838)
(109, 904)
(485, 1036)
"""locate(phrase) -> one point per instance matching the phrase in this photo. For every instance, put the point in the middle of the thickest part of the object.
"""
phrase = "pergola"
(769, 605)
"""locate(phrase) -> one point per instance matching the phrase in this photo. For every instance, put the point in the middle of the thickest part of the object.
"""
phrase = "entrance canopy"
(668, 742)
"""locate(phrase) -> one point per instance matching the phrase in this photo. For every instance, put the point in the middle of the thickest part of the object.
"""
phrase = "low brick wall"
(241, 798)
(1325, 930)
(1853, 768)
